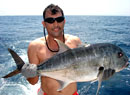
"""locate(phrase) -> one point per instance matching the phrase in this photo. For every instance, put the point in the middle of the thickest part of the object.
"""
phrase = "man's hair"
(54, 9)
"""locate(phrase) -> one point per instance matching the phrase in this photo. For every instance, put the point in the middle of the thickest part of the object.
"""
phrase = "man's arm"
(76, 41)
(33, 59)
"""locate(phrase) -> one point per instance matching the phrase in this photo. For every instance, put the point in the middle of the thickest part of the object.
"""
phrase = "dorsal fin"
(62, 47)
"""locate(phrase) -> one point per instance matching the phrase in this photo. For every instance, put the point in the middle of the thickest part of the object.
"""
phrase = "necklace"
(48, 45)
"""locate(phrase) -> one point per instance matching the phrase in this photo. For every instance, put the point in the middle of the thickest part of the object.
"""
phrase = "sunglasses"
(52, 20)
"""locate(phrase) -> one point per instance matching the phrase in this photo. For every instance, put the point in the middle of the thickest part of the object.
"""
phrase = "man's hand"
(29, 70)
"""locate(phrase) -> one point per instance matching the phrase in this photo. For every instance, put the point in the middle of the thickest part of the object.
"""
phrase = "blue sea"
(17, 31)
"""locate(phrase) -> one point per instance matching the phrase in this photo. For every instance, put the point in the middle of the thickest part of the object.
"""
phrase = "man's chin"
(56, 34)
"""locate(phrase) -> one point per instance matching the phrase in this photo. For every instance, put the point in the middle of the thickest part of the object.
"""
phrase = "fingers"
(29, 70)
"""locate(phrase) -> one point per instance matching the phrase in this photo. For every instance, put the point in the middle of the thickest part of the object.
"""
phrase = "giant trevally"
(86, 63)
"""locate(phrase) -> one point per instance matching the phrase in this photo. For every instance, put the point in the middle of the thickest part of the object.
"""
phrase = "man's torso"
(43, 54)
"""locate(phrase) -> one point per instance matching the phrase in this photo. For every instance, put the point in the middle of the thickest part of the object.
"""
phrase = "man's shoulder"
(68, 36)
(37, 43)
(72, 41)
(71, 37)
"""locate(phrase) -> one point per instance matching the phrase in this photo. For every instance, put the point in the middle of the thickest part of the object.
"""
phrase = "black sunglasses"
(52, 20)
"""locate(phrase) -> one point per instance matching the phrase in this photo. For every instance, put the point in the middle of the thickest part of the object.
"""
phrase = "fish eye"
(120, 54)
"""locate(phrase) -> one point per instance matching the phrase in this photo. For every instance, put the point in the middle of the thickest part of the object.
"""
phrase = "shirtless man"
(43, 48)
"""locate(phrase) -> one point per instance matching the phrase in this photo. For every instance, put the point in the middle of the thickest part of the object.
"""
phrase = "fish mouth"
(125, 66)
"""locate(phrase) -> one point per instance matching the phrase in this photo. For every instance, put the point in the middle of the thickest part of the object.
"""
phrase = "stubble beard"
(56, 34)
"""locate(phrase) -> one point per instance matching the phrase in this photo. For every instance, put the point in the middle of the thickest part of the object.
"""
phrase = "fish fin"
(62, 47)
(15, 72)
(100, 77)
(19, 62)
(63, 84)
(83, 45)
(108, 73)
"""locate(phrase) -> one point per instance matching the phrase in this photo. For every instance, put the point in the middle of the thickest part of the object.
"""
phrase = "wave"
(9, 88)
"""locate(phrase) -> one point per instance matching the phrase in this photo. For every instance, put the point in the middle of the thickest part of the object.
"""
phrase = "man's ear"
(43, 23)
(64, 21)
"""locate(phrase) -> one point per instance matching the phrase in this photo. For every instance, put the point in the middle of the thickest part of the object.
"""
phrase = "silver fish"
(95, 62)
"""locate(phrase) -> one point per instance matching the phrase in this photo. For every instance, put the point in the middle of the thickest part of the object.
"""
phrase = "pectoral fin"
(63, 84)
(104, 75)
(100, 77)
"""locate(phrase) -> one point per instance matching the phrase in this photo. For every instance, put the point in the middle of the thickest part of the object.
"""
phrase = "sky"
(70, 7)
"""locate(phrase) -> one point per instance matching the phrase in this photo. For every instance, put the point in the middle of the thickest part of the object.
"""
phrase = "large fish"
(95, 62)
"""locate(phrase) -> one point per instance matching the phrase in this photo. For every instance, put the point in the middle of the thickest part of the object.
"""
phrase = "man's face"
(54, 29)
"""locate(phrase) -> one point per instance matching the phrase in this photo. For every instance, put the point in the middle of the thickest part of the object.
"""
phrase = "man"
(43, 48)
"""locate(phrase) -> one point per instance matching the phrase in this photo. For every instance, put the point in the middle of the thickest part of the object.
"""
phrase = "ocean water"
(17, 31)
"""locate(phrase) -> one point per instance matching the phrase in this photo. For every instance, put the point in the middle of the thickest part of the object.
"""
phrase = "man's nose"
(55, 23)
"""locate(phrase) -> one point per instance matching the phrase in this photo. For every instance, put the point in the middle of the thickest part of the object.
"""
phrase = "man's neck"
(52, 44)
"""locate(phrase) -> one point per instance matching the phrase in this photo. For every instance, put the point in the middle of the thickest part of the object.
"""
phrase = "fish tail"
(19, 62)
